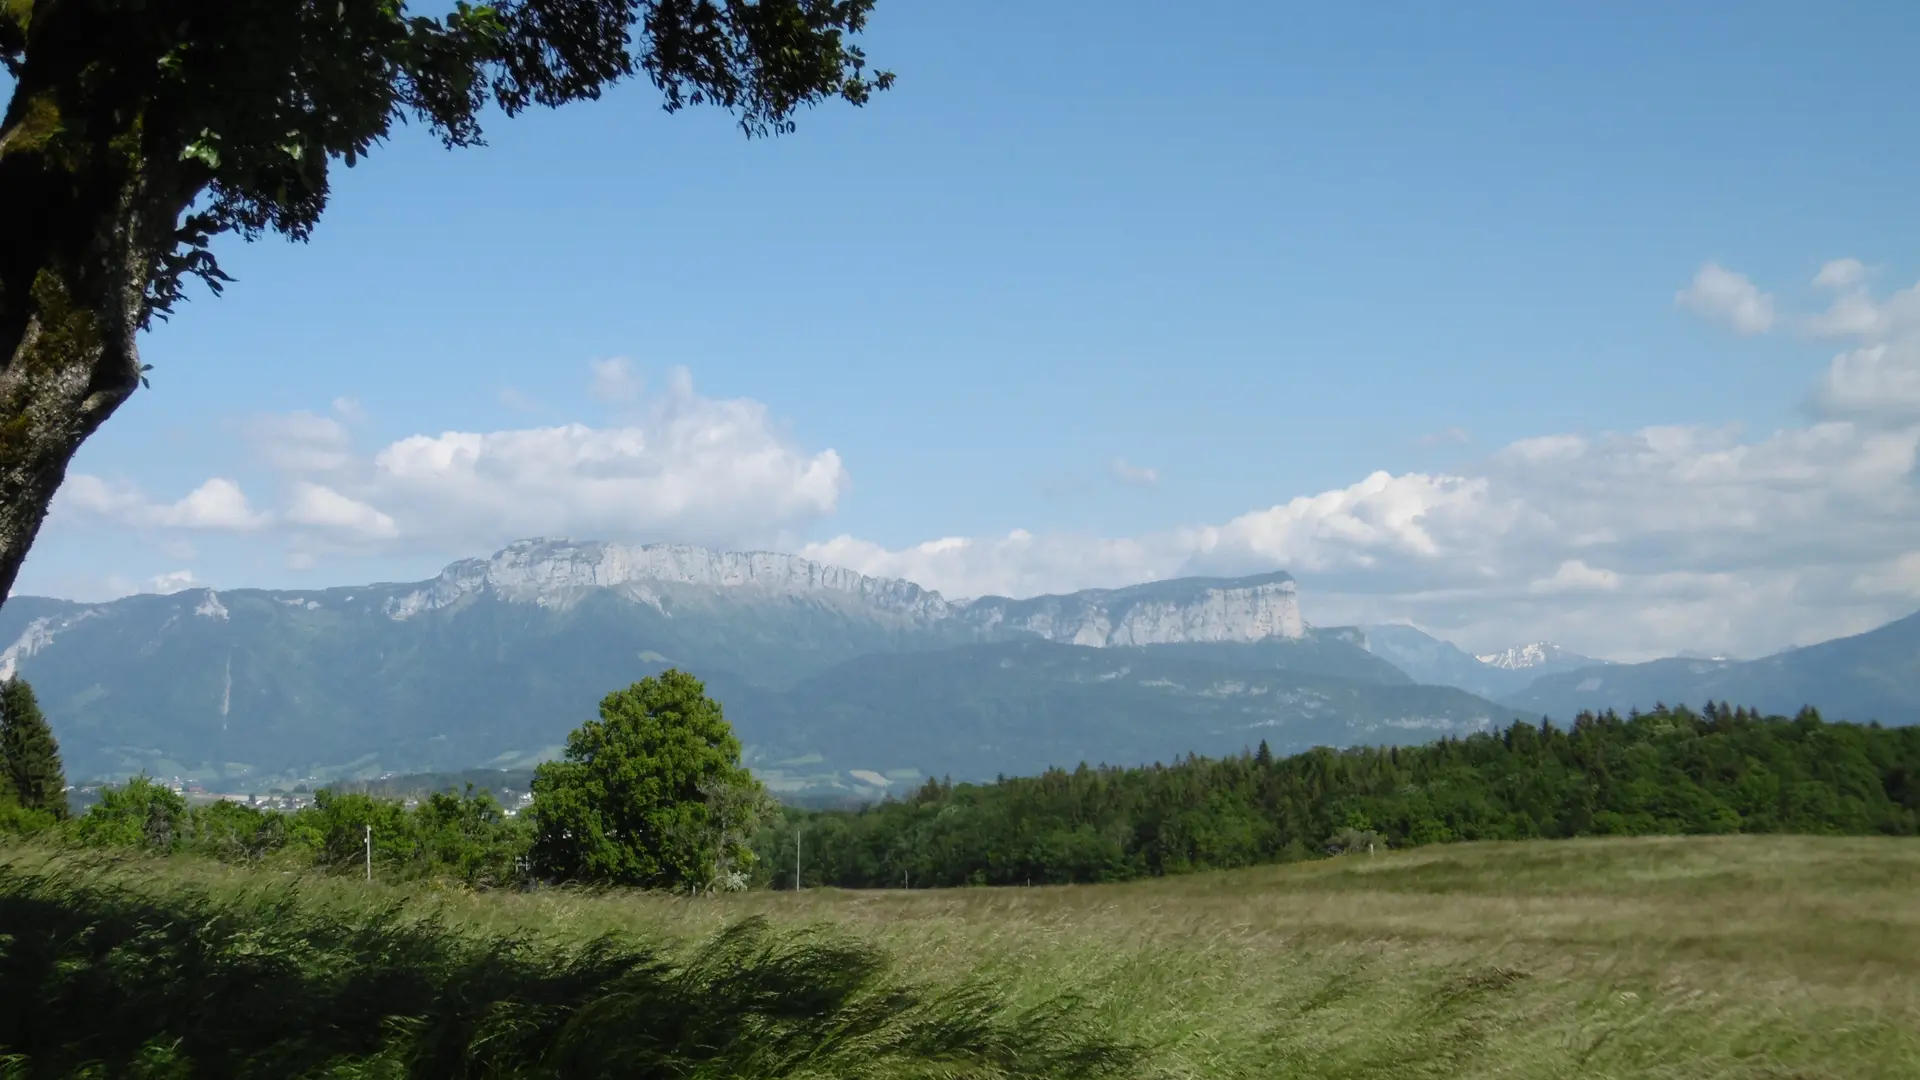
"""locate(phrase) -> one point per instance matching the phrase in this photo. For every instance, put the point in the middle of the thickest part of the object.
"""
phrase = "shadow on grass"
(102, 979)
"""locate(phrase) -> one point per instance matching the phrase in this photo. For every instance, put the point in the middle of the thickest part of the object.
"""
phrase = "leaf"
(203, 150)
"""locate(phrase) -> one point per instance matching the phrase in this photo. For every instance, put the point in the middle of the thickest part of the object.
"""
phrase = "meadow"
(1699, 957)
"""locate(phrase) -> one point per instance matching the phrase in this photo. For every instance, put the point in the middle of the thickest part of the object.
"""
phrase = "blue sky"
(1114, 286)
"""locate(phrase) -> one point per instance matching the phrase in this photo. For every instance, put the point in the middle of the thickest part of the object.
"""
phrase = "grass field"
(1698, 957)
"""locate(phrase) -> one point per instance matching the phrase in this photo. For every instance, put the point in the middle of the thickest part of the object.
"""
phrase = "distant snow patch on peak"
(1540, 654)
(211, 607)
(1521, 657)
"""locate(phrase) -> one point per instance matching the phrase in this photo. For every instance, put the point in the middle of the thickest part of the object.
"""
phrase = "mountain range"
(832, 678)
(1494, 675)
(1873, 676)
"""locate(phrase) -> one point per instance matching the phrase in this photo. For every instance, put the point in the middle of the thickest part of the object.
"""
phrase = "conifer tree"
(29, 752)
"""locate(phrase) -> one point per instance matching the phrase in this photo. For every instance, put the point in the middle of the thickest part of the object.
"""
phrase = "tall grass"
(104, 976)
(1700, 958)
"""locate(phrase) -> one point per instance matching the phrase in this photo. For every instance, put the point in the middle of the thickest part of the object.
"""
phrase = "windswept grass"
(103, 975)
(1730, 958)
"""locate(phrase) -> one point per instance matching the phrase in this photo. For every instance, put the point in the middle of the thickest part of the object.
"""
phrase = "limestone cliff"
(555, 573)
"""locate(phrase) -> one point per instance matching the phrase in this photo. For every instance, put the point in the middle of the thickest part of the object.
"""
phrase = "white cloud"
(1016, 564)
(1576, 576)
(1899, 576)
(1620, 544)
(1841, 274)
(1453, 436)
(1728, 298)
(173, 582)
(1879, 378)
(217, 505)
(325, 508)
(349, 409)
(615, 381)
(1627, 545)
(300, 442)
(683, 467)
(1134, 475)
(513, 398)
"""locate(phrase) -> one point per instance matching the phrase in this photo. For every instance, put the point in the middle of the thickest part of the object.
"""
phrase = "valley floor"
(1730, 957)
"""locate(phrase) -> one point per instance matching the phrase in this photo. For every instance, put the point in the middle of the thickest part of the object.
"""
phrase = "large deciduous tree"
(139, 130)
(650, 794)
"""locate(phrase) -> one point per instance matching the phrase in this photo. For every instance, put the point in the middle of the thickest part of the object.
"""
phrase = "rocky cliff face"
(504, 654)
(556, 573)
(1161, 613)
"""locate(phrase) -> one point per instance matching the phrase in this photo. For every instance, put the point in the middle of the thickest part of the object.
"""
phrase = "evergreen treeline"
(1670, 771)
(1723, 770)
(33, 785)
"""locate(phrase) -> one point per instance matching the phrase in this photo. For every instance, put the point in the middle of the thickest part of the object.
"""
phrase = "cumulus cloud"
(1841, 274)
(1134, 475)
(614, 380)
(1623, 544)
(1730, 299)
(321, 506)
(1018, 563)
(217, 505)
(172, 582)
(1453, 436)
(300, 442)
(1576, 576)
(1879, 377)
(518, 401)
(681, 467)
(1627, 545)
(1898, 576)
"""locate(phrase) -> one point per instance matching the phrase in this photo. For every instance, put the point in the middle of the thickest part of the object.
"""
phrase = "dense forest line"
(1669, 771)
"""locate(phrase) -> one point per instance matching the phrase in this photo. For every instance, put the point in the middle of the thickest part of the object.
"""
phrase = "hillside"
(495, 660)
(1020, 707)
(1429, 659)
(827, 673)
(1866, 677)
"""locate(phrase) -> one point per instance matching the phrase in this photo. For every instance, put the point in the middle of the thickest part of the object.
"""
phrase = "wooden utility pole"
(369, 853)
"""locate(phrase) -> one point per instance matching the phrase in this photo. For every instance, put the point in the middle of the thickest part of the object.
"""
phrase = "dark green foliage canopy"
(1670, 771)
(463, 837)
(642, 793)
(34, 779)
(139, 130)
(136, 814)
(238, 107)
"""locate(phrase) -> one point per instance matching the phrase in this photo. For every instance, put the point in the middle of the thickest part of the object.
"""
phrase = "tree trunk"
(79, 251)
(69, 369)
